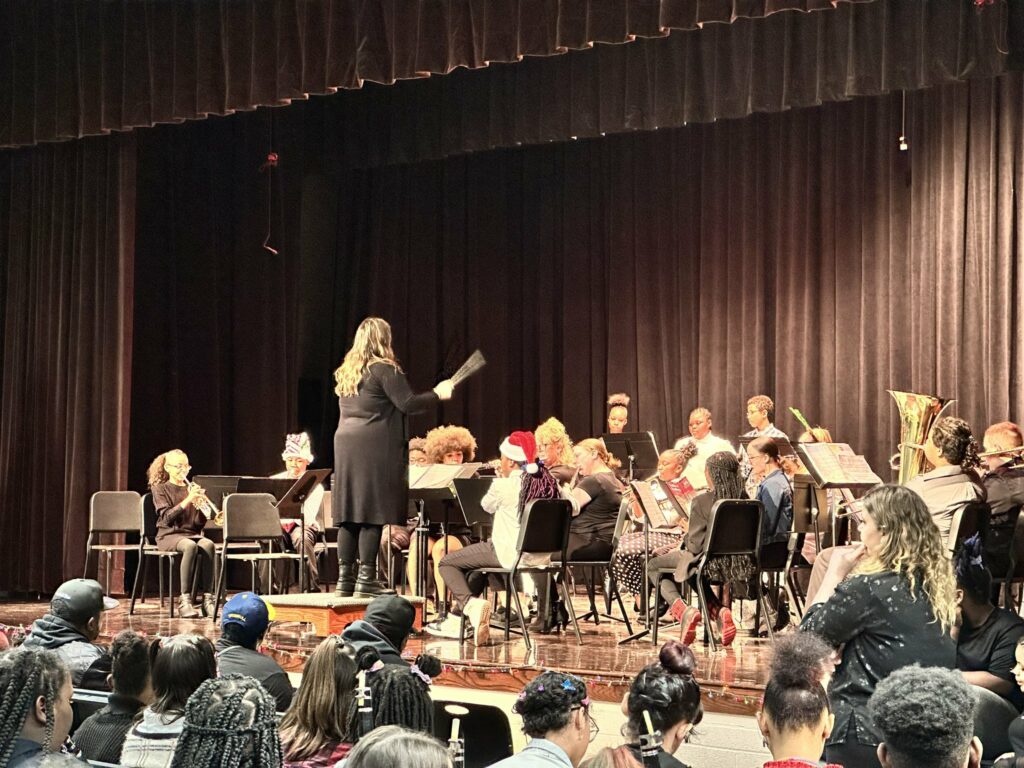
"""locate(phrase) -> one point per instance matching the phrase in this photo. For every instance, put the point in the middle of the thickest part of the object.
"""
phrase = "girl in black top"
(598, 494)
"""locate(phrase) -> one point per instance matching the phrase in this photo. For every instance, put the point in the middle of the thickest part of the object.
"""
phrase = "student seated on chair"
(297, 455)
(385, 627)
(244, 622)
(71, 628)
(505, 501)
(596, 497)
(101, 735)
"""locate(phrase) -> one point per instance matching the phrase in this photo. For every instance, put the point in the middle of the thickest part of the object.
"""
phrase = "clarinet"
(457, 746)
(650, 743)
(364, 704)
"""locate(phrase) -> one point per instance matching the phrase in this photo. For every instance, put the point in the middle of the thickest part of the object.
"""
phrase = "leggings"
(359, 539)
(192, 549)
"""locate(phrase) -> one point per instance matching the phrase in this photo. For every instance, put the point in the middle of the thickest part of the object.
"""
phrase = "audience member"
(400, 696)
(385, 627)
(178, 666)
(101, 735)
(392, 745)
(925, 719)
(986, 636)
(229, 722)
(244, 621)
(71, 628)
(1004, 491)
(314, 729)
(888, 602)
(1016, 730)
(35, 708)
(556, 716)
(796, 718)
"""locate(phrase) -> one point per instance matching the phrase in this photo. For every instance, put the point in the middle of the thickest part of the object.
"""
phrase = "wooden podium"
(328, 614)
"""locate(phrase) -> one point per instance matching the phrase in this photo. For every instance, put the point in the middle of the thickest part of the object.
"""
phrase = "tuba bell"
(917, 415)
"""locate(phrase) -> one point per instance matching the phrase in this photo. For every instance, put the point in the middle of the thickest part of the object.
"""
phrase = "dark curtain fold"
(66, 253)
(83, 68)
(800, 254)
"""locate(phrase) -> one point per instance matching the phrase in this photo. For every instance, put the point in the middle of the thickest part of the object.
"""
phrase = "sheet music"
(838, 464)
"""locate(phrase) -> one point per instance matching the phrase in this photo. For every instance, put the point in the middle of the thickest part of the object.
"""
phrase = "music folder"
(836, 465)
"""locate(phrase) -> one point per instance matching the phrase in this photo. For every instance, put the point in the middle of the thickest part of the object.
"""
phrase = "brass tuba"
(917, 415)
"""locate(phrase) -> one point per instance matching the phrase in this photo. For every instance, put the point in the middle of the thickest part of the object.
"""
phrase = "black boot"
(367, 584)
(346, 580)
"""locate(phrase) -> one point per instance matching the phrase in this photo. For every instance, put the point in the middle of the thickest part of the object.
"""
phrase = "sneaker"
(726, 627)
(450, 627)
(478, 612)
(688, 625)
(677, 609)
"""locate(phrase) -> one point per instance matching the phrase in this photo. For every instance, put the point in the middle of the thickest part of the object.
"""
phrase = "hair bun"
(429, 665)
(366, 657)
(677, 658)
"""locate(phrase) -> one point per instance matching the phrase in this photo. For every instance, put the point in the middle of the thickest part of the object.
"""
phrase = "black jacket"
(89, 663)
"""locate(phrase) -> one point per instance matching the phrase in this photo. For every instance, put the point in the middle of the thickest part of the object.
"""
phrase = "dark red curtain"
(79, 68)
(66, 244)
(800, 254)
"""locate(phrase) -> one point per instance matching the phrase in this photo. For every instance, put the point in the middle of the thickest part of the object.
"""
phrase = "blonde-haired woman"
(554, 447)
(888, 602)
(371, 471)
(179, 526)
(596, 495)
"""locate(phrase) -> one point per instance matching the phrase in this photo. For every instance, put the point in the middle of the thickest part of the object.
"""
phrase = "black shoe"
(498, 616)
(367, 583)
(346, 580)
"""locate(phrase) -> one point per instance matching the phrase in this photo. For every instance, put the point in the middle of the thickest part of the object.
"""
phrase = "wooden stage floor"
(732, 680)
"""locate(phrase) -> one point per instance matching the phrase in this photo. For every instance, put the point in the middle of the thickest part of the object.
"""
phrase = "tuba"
(917, 415)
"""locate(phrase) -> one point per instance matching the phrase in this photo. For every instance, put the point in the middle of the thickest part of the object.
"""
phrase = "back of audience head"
(925, 716)
(35, 699)
(392, 745)
(130, 674)
(400, 695)
(178, 666)
(320, 711)
(81, 603)
(796, 717)
(555, 706)
(668, 691)
(245, 619)
(973, 579)
(229, 721)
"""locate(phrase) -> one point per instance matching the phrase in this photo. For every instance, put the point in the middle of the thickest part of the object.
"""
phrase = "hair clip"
(568, 685)
(522, 695)
(377, 666)
(420, 674)
(540, 687)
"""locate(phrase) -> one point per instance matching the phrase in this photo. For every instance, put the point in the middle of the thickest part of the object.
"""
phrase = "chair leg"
(139, 569)
(588, 579)
(708, 634)
(219, 589)
(509, 588)
(88, 556)
(519, 610)
(613, 588)
(763, 609)
(567, 596)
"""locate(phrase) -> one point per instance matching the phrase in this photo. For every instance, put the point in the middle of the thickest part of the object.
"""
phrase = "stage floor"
(732, 680)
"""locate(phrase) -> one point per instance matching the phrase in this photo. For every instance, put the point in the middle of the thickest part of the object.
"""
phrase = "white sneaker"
(478, 612)
(450, 627)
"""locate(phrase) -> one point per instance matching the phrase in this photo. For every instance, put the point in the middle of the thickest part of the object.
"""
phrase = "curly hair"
(724, 470)
(953, 439)
(129, 653)
(618, 400)
(911, 546)
(156, 473)
(229, 721)
(794, 697)
(925, 716)
(972, 575)
(25, 675)
(320, 711)
(667, 690)
(552, 432)
(547, 702)
(372, 344)
(442, 440)
(417, 444)
(400, 696)
(764, 404)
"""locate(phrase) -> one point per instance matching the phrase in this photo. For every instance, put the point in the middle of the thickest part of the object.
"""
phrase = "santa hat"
(297, 446)
(521, 447)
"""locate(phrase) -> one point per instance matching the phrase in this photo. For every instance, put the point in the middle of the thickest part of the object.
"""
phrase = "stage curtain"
(83, 68)
(66, 245)
(799, 254)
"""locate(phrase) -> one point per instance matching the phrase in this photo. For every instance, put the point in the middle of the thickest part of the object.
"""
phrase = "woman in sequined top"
(888, 602)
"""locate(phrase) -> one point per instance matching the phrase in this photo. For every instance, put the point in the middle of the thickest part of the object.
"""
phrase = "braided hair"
(953, 439)
(400, 695)
(537, 485)
(25, 675)
(667, 690)
(229, 721)
(724, 470)
(972, 575)
(795, 697)
(547, 702)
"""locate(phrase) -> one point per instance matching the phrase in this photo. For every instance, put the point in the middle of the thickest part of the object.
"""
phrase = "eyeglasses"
(179, 466)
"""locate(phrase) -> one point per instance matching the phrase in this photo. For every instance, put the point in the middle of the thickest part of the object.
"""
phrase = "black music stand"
(637, 452)
(218, 486)
(470, 492)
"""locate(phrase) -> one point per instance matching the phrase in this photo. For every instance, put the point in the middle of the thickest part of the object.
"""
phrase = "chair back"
(485, 728)
(114, 512)
(992, 720)
(970, 519)
(621, 521)
(148, 529)
(85, 702)
(545, 527)
(735, 528)
(251, 516)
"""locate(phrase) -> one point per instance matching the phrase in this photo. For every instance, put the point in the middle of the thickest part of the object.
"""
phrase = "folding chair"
(589, 568)
(146, 521)
(110, 512)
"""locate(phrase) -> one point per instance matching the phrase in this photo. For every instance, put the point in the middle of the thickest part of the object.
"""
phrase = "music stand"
(470, 492)
(218, 486)
(637, 451)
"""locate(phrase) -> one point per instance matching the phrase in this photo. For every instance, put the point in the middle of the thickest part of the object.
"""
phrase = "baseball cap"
(79, 600)
(247, 610)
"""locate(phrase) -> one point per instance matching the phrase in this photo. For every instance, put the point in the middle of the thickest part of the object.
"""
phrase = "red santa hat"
(521, 447)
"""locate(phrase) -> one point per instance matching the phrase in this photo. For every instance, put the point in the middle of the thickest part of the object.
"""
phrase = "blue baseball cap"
(248, 610)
